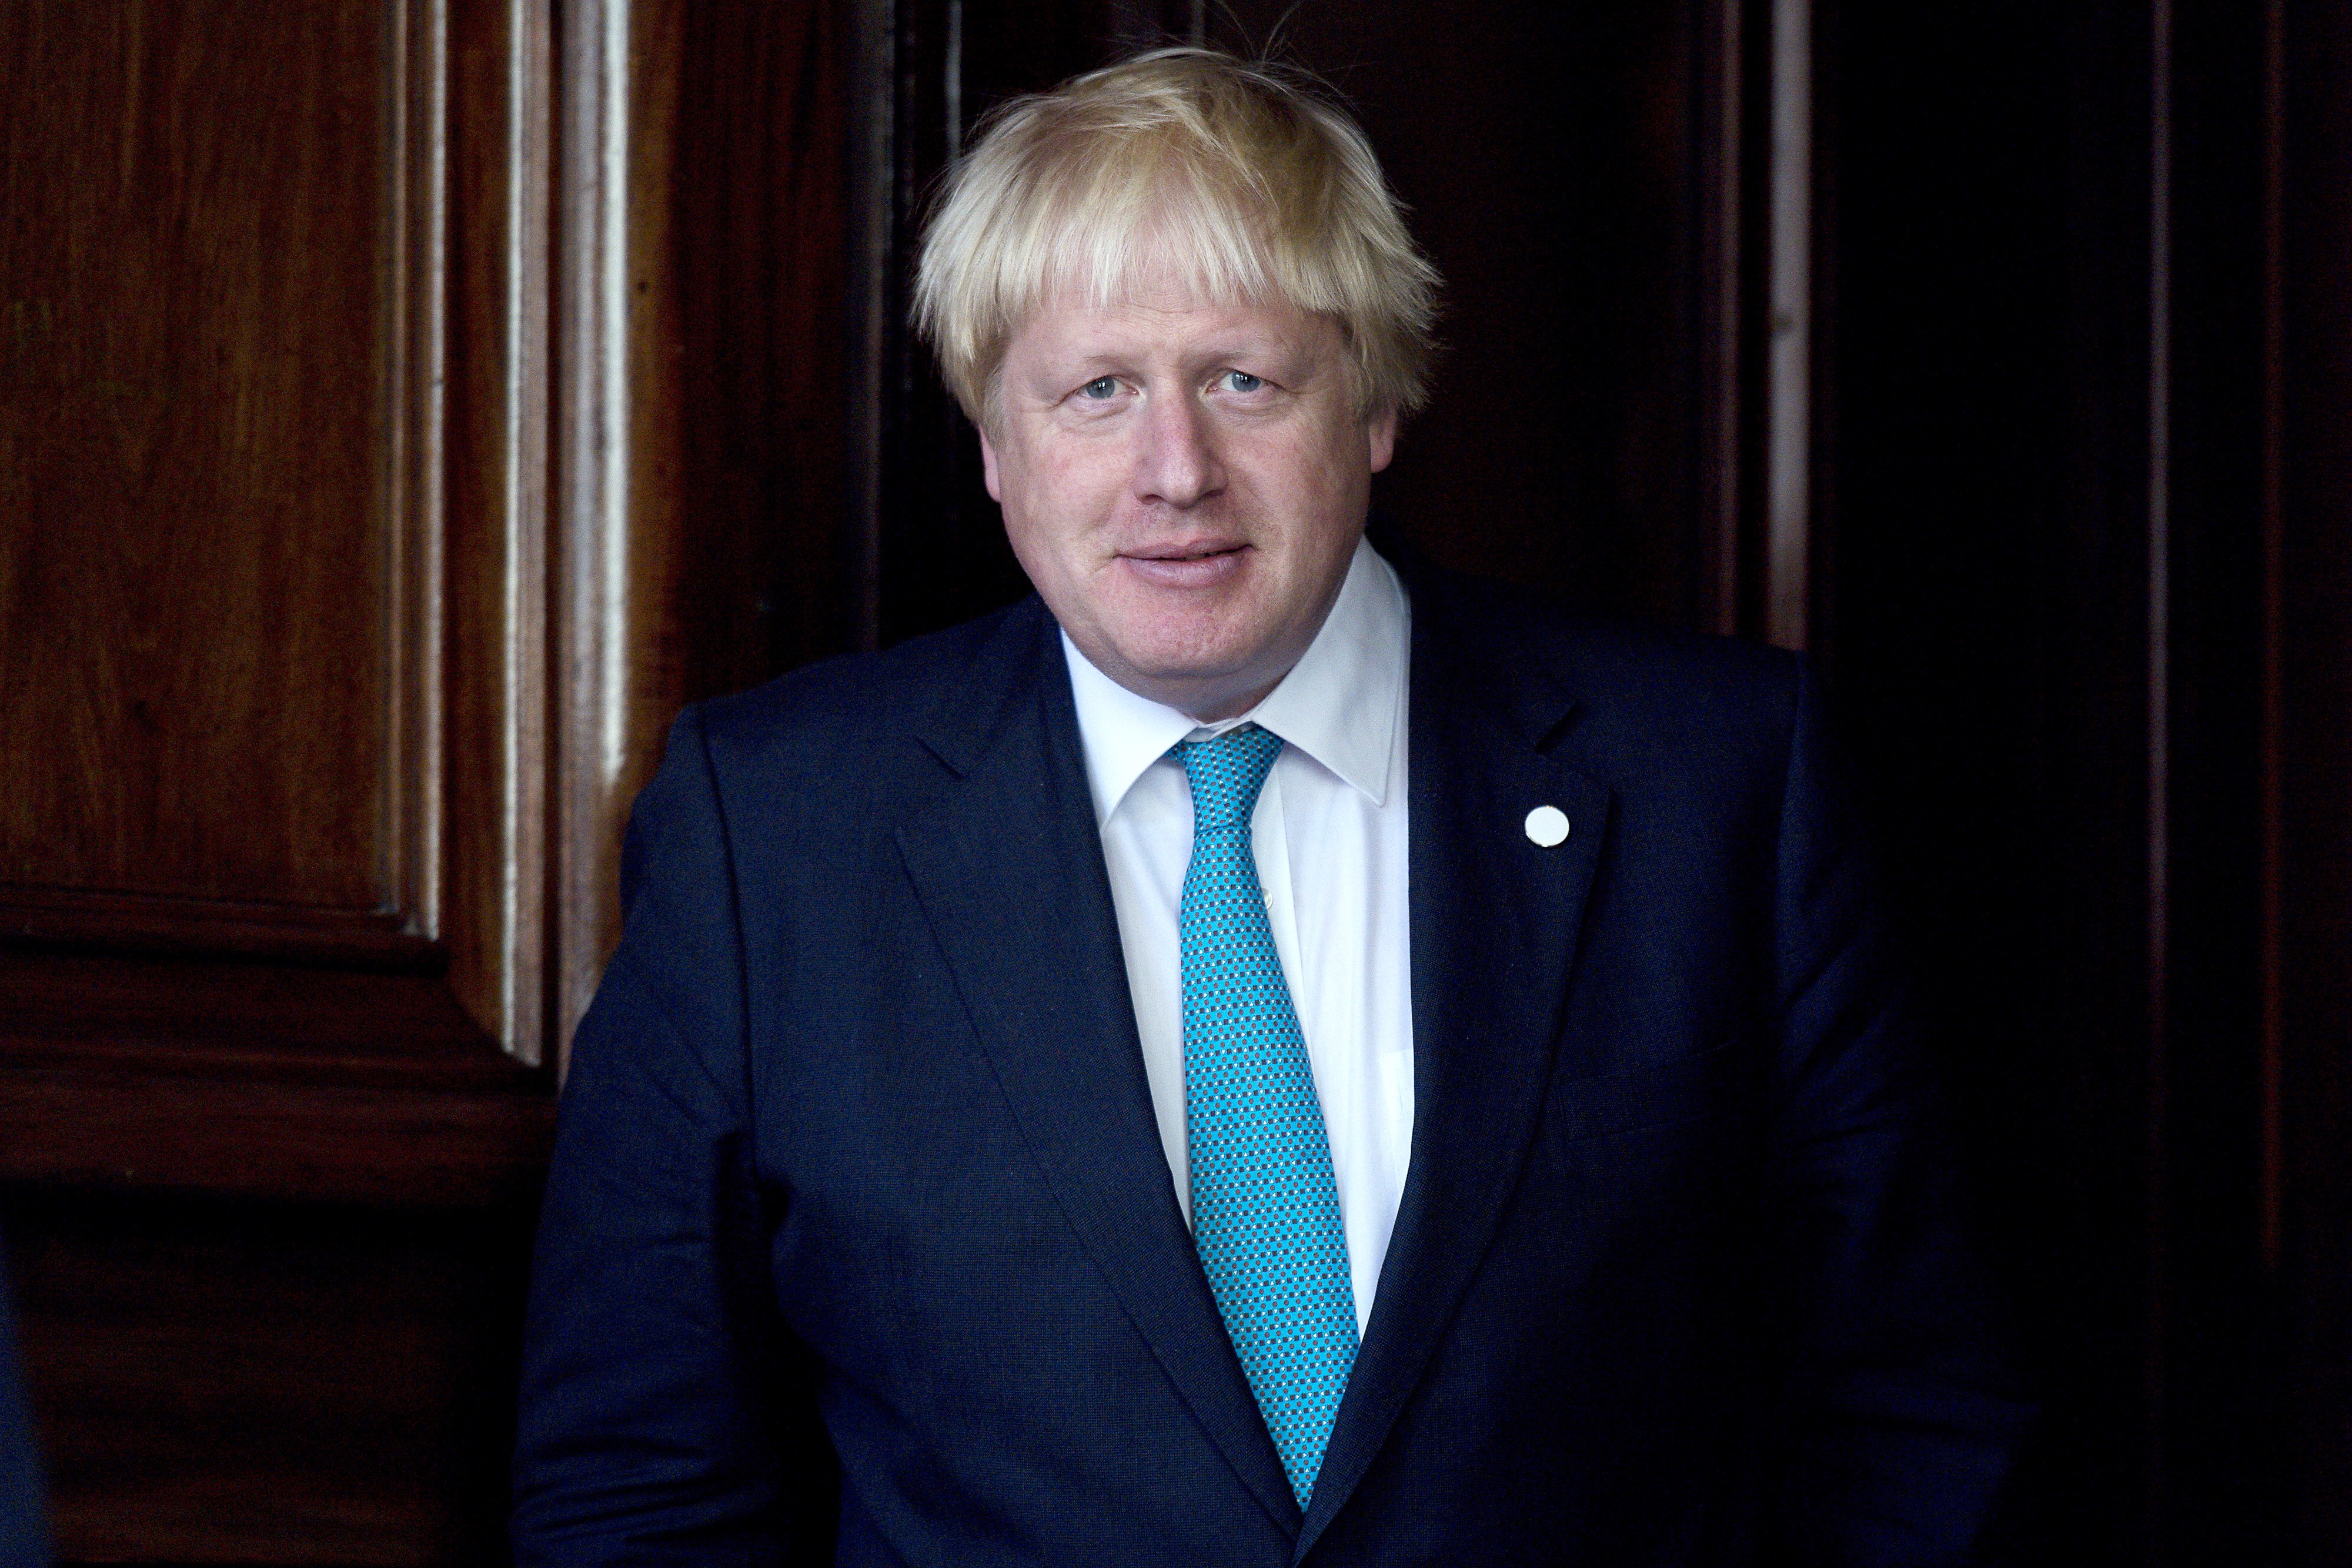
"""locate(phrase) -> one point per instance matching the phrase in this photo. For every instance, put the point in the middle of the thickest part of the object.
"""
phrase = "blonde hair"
(1238, 177)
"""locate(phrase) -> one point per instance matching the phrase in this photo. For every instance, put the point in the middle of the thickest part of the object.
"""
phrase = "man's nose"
(1177, 464)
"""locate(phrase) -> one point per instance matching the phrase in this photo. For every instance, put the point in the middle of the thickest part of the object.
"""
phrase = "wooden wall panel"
(1563, 166)
(341, 647)
(274, 571)
(192, 636)
(486, 542)
(2308, 459)
(704, 544)
(274, 577)
(933, 551)
(339, 1382)
(2094, 294)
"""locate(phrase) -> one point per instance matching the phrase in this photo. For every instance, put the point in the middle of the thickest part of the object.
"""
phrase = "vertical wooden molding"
(399, 848)
(687, 456)
(493, 523)
(873, 96)
(2273, 630)
(2159, 760)
(951, 83)
(592, 479)
(417, 292)
(524, 759)
(1788, 414)
(1720, 169)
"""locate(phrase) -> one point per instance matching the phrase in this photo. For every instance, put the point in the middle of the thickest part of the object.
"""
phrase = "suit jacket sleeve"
(23, 1531)
(648, 1415)
(1900, 1415)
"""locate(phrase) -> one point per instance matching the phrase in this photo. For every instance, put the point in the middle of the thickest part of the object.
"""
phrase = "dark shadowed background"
(405, 405)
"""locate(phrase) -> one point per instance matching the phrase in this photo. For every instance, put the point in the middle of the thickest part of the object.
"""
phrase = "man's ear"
(1380, 433)
(988, 466)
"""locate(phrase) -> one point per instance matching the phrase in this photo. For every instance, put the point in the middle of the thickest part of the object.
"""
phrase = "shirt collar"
(1338, 704)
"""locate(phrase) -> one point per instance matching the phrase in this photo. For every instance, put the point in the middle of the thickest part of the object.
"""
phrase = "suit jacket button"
(1548, 826)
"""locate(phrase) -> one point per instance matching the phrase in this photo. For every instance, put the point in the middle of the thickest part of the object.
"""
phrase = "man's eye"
(1243, 381)
(1100, 387)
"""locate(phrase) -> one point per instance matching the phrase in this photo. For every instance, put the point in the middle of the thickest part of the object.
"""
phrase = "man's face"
(1184, 484)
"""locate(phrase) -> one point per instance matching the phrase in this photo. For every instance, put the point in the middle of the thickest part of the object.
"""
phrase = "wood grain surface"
(233, 1381)
(703, 541)
(273, 663)
(192, 576)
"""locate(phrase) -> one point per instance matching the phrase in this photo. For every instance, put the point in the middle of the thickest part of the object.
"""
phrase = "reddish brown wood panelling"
(745, 449)
(35, 917)
(315, 721)
(1567, 169)
(242, 1382)
(279, 651)
(259, 1080)
(193, 643)
(274, 658)
(2314, 436)
(718, 557)
(489, 532)
(153, 1122)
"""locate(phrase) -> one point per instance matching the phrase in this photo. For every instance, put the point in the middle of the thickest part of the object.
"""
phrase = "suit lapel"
(1008, 866)
(1493, 923)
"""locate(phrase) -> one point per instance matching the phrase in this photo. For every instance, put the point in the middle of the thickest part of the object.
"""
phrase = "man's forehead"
(1164, 317)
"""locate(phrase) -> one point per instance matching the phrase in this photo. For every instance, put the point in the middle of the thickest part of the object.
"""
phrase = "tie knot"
(1227, 774)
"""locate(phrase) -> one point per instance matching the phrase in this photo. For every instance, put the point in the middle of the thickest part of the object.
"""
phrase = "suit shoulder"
(1662, 714)
(850, 705)
(1624, 663)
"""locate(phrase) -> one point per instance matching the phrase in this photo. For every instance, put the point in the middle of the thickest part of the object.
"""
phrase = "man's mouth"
(1195, 549)
(1193, 563)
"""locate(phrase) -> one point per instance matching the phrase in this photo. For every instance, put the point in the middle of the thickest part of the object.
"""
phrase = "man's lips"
(1200, 563)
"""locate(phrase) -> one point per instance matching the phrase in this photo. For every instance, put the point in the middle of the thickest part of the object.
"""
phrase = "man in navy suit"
(1265, 1050)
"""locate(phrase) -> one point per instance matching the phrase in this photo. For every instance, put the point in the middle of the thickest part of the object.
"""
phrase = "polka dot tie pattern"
(1266, 1210)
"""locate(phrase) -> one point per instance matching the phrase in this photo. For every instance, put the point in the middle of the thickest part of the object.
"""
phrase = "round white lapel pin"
(1548, 826)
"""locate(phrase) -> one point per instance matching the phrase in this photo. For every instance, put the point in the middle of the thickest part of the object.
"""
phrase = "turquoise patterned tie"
(1266, 1212)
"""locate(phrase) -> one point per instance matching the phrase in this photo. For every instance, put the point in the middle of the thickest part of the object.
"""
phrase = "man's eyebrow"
(1273, 345)
(1281, 350)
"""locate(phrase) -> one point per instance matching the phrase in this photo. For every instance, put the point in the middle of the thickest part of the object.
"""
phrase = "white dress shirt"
(1330, 838)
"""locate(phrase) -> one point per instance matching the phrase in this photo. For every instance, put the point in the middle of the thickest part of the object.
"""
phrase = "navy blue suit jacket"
(24, 1529)
(1674, 1278)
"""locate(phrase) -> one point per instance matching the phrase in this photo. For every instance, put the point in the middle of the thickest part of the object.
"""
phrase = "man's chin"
(1206, 682)
(1181, 663)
